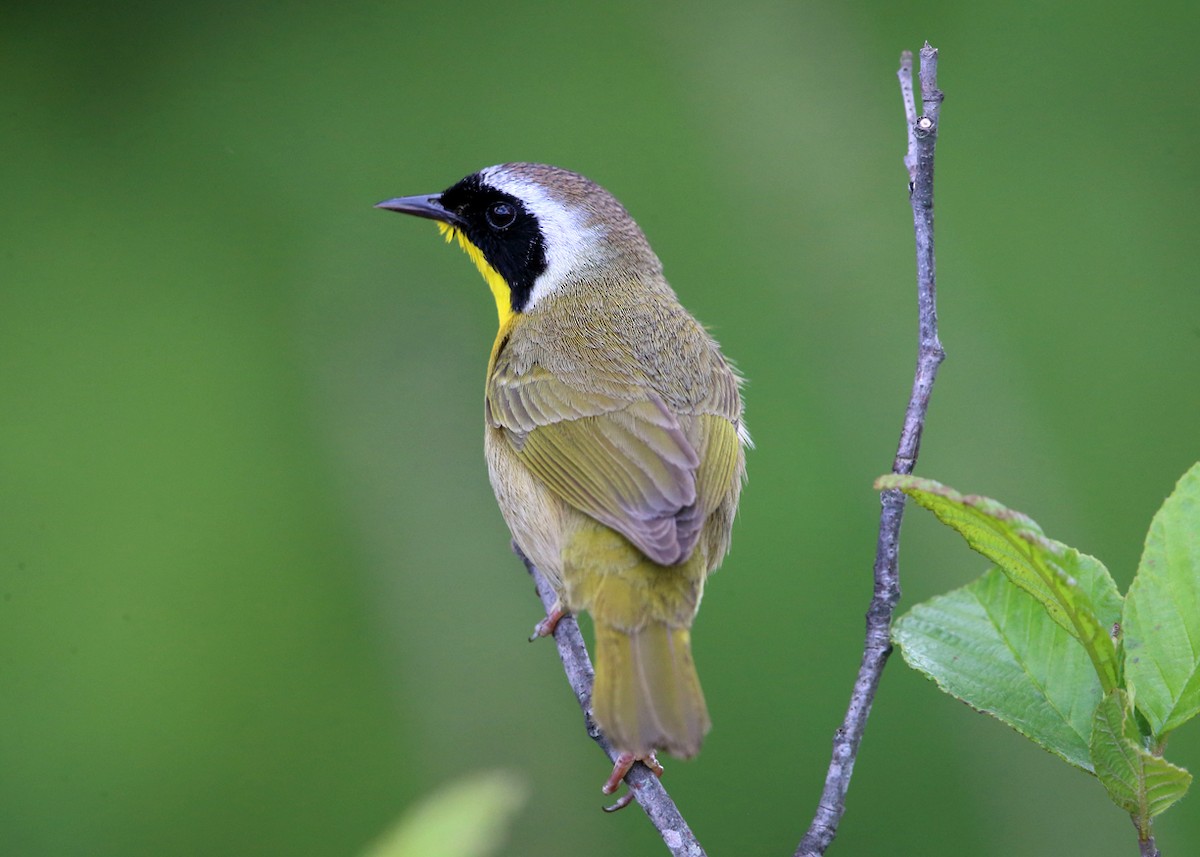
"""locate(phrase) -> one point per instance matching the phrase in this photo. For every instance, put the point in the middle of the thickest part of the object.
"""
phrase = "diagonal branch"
(647, 789)
(922, 137)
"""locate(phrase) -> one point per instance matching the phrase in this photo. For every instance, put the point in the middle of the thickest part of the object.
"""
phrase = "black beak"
(423, 206)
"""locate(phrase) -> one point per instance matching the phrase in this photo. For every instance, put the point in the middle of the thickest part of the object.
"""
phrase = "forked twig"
(922, 137)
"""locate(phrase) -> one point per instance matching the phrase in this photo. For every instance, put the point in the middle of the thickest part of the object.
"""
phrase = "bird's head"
(533, 230)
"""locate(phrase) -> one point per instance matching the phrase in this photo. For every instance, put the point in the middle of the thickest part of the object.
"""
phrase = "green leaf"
(995, 648)
(1048, 570)
(1162, 613)
(1139, 782)
(464, 819)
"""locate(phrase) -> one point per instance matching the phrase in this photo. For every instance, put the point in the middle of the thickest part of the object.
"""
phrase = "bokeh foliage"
(255, 597)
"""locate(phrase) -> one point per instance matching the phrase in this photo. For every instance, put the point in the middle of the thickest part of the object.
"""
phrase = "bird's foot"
(624, 762)
(546, 627)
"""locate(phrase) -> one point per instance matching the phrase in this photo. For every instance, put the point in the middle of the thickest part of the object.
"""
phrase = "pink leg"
(546, 627)
(624, 762)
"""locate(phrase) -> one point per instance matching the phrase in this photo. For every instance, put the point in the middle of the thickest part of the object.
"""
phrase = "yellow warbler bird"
(614, 435)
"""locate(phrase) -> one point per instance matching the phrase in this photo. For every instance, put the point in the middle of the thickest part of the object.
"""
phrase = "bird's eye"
(501, 215)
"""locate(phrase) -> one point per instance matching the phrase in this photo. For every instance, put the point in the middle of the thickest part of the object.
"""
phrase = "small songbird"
(614, 435)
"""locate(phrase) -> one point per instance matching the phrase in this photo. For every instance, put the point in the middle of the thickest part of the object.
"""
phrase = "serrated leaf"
(463, 819)
(1046, 569)
(995, 648)
(1139, 782)
(1162, 613)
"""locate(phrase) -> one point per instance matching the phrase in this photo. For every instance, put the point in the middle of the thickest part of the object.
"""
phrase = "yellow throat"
(500, 289)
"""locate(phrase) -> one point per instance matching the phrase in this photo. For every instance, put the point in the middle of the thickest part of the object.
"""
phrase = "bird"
(614, 436)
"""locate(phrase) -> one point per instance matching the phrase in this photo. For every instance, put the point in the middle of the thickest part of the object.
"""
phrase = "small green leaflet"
(1139, 782)
(1162, 613)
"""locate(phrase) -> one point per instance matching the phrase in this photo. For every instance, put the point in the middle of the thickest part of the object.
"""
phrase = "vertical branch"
(922, 140)
(647, 789)
(922, 137)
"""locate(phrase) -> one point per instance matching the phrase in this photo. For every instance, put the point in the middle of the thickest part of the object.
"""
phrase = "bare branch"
(1147, 848)
(922, 137)
(910, 113)
(647, 789)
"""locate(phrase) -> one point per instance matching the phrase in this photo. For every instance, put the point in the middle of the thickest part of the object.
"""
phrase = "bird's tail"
(647, 695)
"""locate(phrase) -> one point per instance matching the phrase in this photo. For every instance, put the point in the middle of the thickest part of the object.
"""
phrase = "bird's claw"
(546, 627)
(621, 767)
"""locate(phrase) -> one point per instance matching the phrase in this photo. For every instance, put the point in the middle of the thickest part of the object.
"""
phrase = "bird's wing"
(627, 460)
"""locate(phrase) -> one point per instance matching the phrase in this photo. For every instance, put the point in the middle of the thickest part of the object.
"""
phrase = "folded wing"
(622, 456)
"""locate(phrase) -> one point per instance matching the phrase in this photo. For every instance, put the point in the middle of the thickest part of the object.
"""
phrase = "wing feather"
(622, 456)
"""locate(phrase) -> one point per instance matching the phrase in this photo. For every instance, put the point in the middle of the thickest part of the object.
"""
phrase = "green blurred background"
(255, 596)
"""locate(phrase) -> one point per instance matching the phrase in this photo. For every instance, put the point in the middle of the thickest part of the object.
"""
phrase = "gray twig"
(922, 137)
(647, 789)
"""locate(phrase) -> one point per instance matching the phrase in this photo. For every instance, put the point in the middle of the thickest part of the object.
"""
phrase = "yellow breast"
(500, 290)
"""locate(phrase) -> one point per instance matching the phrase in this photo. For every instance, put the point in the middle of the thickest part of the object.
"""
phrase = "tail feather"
(647, 695)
